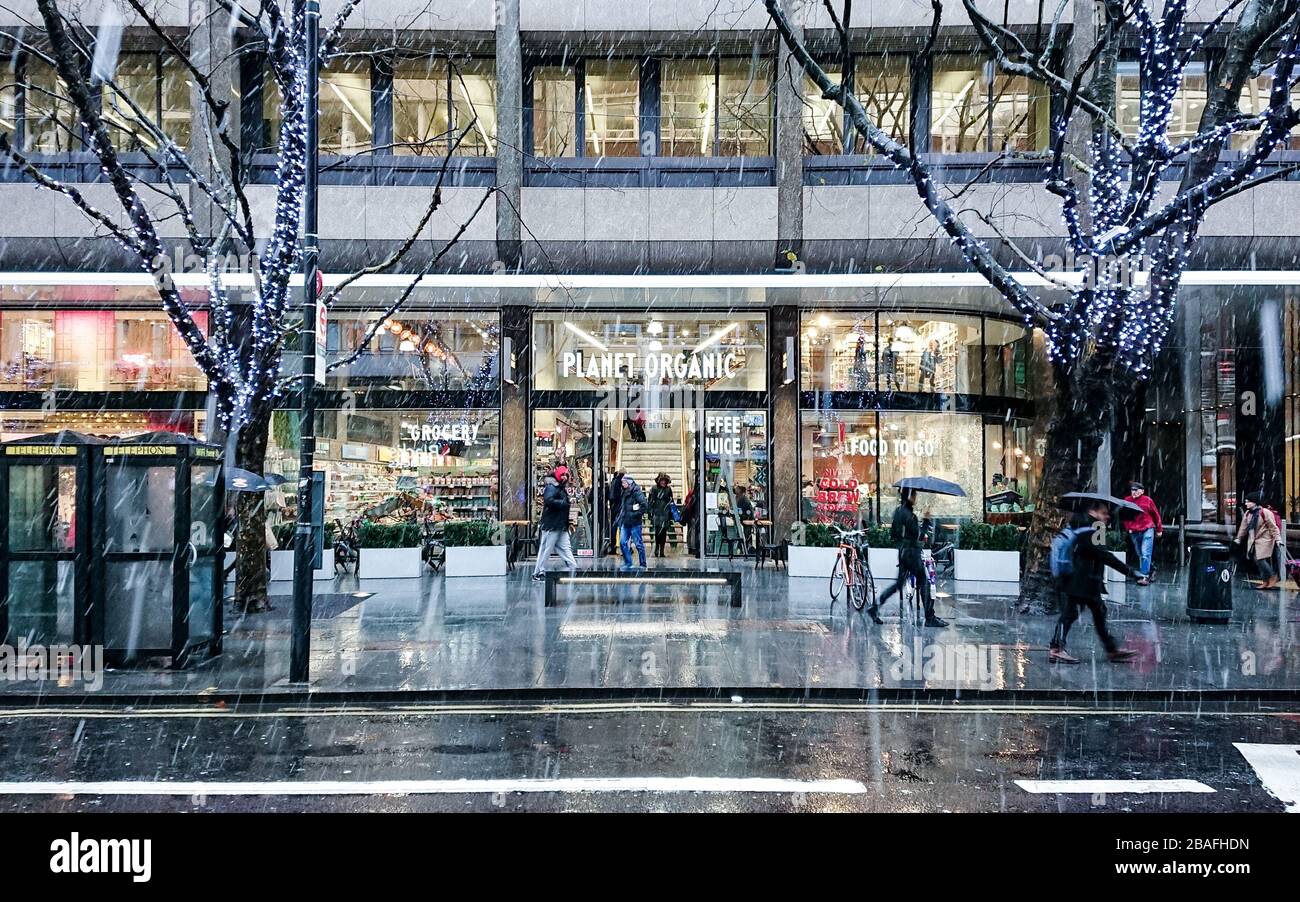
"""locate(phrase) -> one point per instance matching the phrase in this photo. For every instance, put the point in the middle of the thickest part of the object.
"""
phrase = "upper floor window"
(555, 111)
(1255, 97)
(37, 100)
(346, 118)
(436, 99)
(611, 115)
(975, 108)
(881, 84)
(715, 107)
(150, 94)
(1189, 102)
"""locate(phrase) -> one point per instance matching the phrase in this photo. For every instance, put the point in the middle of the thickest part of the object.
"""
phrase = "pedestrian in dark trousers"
(555, 523)
(1085, 584)
(690, 508)
(615, 501)
(631, 519)
(661, 512)
(1259, 536)
(906, 532)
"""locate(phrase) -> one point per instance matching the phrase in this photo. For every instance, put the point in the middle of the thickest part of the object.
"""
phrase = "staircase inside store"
(643, 461)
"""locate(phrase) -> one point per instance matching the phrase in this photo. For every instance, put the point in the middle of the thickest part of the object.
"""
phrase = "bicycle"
(851, 572)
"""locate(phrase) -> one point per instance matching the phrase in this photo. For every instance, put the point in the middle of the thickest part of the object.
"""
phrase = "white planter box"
(390, 563)
(481, 560)
(1114, 576)
(884, 565)
(988, 566)
(808, 561)
(282, 566)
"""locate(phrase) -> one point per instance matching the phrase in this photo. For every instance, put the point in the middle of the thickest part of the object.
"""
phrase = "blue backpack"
(1063, 550)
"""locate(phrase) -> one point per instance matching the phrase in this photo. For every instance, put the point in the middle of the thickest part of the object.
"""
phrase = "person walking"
(661, 512)
(906, 532)
(631, 516)
(690, 508)
(929, 365)
(1143, 530)
(1082, 586)
(1260, 536)
(555, 523)
(614, 498)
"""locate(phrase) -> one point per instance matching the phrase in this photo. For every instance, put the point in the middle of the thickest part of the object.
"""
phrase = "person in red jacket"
(1143, 530)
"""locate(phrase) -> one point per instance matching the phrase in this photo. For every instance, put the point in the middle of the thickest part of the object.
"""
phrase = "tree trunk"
(1081, 418)
(251, 569)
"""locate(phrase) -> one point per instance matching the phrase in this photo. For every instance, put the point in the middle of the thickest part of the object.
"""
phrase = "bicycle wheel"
(858, 590)
(868, 583)
(838, 578)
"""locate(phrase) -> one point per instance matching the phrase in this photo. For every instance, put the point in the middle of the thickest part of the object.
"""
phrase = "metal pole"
(300, 648)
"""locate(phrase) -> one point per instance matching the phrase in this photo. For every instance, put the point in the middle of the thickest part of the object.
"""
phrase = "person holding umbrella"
(906, 531)
(1079, 562)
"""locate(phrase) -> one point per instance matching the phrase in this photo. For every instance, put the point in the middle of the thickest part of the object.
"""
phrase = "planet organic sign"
(681, 367)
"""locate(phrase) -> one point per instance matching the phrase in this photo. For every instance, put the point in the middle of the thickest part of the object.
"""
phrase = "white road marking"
(1111, 787)
(430, 787)
(1278, 768)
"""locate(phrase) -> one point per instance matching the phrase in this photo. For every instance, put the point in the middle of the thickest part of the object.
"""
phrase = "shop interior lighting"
(655, 327)
(356, 114)
(824, 321)
(586, 336)
(715, 337)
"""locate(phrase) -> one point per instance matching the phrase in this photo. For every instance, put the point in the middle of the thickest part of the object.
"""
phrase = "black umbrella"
(1122, 504)
(1005, 497)
(274, 479)
(931, 484)
(238, 480)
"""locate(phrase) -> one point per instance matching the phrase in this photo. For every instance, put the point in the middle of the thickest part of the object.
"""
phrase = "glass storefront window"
(26, 350)
(48, 117)
(346, 123)
(1013, 465)
(428, 464)
(840, 478)
(735, 478)
(15, 424)
(945, 445)
(1008, 359)
(435, 100)
(440, 351)
(974, 109)
(613, 94)
(1189, 102)
(593, 351)
(567, 437)
(555, 116)
(838, 351)
(858, 351)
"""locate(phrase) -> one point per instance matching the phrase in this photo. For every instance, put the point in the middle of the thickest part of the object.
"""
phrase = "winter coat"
(1148, 519)
(1259, 531)
(555, 506)
(661, 501)
(632, 506)
(1088, 580)
(614, 495)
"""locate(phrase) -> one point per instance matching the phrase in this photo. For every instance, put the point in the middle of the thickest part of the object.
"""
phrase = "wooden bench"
(643, 577)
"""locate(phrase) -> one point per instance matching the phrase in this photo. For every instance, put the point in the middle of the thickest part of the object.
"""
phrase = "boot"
(873, 613)
(1120, 655)
(1060, 656)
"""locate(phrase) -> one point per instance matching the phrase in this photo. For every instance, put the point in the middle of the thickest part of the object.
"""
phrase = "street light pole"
(304, 540)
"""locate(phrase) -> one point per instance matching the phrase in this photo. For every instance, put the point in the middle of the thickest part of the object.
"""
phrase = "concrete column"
(210, 51)
(783, 477)
(1193, 437)
(789, 144)
(510, 131)
(515, 428)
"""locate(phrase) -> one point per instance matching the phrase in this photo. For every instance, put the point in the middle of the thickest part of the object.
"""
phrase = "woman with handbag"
(661, 512)
(1259, 536)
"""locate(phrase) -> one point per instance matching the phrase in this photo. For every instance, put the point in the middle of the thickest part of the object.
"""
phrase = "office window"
(612, 99)
(744, 107)
(434, 100)
(714, 107)
(975, 109)
(1254, 100)
(1189, 102)
(149, 94)
(49, 120)
(346, 124)
(881, 84)
(555, 112)
(688, 108)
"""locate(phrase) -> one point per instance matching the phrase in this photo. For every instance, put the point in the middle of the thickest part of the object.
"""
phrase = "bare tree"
(1105, 335)
(242, 351)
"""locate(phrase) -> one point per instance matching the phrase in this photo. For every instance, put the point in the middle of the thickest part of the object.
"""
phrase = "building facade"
(689, 266)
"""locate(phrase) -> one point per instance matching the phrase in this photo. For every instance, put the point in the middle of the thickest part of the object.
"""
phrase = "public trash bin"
(1209, 586)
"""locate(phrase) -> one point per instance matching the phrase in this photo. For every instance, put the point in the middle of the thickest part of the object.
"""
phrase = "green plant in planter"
(880, 537)
(396, 535)
(284, 535)
(819, 535)
(1116, 541)
(469, 533)
(990, 537)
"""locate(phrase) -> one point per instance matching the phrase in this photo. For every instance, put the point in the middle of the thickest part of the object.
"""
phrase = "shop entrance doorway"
(657, 449)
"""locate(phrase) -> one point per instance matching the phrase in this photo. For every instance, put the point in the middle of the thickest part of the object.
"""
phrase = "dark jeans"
(1070, 613)
(911, 564)
(663, 530)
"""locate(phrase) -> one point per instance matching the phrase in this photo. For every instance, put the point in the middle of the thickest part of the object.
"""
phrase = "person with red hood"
(555, 523)
(1143, 530)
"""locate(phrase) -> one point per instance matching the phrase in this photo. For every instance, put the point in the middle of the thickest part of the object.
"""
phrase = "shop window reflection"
(845, 352)
(444, 352)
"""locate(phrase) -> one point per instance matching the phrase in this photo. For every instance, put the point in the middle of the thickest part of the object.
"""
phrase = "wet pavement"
(440, 633)
(645, 757)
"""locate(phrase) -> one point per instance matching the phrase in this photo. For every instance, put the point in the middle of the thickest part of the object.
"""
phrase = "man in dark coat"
(555, 523)
(631, 517)
(906, 531)
(1084, 586)
(614, 499)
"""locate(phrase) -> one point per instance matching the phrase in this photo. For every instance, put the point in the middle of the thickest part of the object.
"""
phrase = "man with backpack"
(1079, 562)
